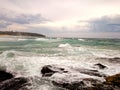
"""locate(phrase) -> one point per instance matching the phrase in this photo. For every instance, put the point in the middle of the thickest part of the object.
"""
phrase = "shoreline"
(11, 33)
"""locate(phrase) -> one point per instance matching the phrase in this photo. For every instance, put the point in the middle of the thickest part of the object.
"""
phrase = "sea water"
(26, 56)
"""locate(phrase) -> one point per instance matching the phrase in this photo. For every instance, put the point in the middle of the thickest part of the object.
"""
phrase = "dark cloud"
(105, 24)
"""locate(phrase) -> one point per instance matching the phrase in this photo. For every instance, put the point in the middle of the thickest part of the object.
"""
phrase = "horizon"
(62, 18)
(58, 37)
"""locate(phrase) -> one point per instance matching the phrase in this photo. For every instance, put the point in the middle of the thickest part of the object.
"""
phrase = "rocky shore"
(64, 77)
(10, 82)
(80, 79)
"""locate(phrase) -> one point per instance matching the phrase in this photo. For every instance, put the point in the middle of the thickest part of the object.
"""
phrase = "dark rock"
(15, 84)
(85, 84)
(71, 78)
(5, 75)
(67, 85)
(49, 70)
(100, 66)
(116, 58)
(113, 80)
(91, 72)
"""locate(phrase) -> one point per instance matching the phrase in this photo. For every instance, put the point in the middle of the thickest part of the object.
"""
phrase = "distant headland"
(15, 33)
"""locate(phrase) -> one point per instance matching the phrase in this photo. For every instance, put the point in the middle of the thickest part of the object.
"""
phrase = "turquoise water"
(50, 46)
(26, 56)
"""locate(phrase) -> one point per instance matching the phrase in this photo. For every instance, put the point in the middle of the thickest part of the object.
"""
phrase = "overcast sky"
(62, 18)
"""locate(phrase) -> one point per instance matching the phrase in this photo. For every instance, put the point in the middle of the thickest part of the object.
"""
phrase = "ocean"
(26, 56)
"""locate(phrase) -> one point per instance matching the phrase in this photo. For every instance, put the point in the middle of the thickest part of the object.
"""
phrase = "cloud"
(9, 17)
(4, 24)
(105, 24)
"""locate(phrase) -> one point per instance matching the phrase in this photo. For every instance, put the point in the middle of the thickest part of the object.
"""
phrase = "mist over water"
(26, 56)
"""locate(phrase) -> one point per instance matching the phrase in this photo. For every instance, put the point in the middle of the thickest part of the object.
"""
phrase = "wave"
(8, 54)
(41, 39)
(47, 40)
(65, 45)
(22, 39)
(81, 39)
(105, 53)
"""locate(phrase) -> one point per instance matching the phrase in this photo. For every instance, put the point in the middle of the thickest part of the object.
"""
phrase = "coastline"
(11, 33)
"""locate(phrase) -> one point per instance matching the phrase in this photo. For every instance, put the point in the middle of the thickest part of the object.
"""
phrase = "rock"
(84, 84)
(91, 72)
(100, 66)
(72, 78)
(49, 70)
(5, 75)
(15, 84)
(113, 80)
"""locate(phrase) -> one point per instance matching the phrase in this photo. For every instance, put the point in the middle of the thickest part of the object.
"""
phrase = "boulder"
(49, 70)
(90, 72)
(75, 85)
(113, 80)
(15, 84)
(5, 75)
(9, 82)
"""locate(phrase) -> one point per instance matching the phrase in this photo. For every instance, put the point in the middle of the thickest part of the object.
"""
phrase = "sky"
(62, 18)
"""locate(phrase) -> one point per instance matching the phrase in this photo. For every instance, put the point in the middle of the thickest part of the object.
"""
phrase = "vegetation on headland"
(12, 33)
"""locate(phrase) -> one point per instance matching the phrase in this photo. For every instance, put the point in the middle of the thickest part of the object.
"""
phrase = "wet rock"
(91, 72)
(5, 75)
(84, 84)
(113, 80)
(72, 78)
(100, 66)
(15, 84)
(49, 70)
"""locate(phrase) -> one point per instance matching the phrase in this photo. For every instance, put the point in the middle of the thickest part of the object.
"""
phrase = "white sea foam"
(47, 40)
(41, 39)
(31, 66)
(82, 49)
(65, 45)
(81, 39)
(22, 39)
(105, 53)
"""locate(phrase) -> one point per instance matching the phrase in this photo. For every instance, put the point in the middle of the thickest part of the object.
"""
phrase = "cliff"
(21, 34)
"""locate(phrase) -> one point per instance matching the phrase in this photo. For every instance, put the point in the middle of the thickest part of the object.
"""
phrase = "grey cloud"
(12, 17)
(23, 18)
(105, 24)
(4, 24)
